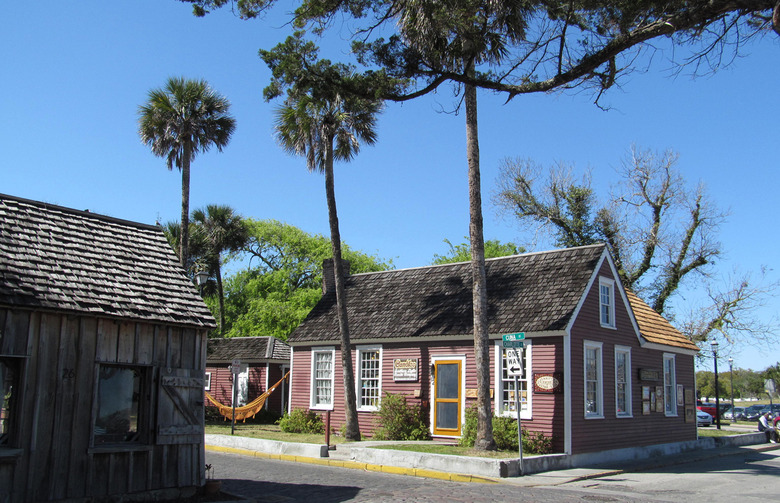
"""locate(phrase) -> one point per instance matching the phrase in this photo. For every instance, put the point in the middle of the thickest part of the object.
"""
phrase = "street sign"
(769, 386)
(236, 367)
(519, 336)
(512, 344)
(514, 367)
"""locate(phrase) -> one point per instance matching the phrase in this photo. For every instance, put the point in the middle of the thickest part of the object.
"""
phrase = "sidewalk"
(362, 456)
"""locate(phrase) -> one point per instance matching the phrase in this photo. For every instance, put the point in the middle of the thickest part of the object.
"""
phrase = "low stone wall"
(268, 446)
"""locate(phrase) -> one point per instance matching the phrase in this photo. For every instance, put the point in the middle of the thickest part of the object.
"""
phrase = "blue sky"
(74, 74)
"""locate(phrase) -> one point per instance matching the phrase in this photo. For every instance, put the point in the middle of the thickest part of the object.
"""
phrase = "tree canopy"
(462, 252)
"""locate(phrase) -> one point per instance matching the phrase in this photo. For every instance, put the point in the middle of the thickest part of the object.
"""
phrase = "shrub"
(399, 420)
(505, 435)
(302, 421)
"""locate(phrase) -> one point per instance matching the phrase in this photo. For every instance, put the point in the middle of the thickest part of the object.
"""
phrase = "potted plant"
(212, 485)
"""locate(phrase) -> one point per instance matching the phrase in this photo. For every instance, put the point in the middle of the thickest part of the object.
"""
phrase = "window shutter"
(180, 406)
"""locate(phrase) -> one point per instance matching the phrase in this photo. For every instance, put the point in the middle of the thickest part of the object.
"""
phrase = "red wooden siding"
(259, 375)
(614, 432)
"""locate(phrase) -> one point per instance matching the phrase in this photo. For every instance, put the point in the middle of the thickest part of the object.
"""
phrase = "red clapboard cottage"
(601, 369)
(102, 351)
(264, 361)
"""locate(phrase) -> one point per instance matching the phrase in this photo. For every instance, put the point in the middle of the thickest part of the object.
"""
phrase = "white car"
(703, 419)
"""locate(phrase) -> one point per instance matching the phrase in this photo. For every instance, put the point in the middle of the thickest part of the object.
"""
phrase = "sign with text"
(548, 383)
(513, 340)
(514, 363)
(405, 369)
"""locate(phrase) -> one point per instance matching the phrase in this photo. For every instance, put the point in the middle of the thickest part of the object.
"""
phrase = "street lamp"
(717, 399)
(201, 277)
(731, 376)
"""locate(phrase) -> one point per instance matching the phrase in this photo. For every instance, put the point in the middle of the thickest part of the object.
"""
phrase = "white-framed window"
(322, 376)
(369, 377)
(670, 385)
(607, 302)
(505, 384)
(594, 383)
(207, 381)
(623, 381)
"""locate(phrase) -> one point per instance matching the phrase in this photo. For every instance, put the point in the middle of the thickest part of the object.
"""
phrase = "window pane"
(323, 374)
(8, 386)
(447, 415)
(447, 380)
(119, 391)
(369, 378)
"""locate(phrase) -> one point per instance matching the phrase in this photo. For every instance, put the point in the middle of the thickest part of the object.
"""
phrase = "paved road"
(271, 481)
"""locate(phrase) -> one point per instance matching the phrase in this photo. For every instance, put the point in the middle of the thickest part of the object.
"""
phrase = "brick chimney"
(329, 275)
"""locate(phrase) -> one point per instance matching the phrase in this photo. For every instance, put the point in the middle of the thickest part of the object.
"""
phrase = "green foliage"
(302, 421)
(462, 252)
(505, 435)
(399, 420)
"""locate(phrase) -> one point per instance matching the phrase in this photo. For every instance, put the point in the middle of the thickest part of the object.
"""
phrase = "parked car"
(709, 408)
(752, 412)
(703, 419)
(735, 413)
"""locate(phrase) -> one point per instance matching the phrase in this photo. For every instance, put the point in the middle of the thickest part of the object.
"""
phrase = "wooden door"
(447, 397)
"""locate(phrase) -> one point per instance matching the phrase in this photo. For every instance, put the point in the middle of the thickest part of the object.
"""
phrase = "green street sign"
(519, 336)
(512, 344)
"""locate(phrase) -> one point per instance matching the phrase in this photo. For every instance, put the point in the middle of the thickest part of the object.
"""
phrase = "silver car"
(703, 419)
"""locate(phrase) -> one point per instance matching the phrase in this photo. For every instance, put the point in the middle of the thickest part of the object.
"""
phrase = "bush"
(399, 420)
(505, 435)
(301, 421)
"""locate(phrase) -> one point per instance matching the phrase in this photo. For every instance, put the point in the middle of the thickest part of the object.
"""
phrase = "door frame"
(461, 359)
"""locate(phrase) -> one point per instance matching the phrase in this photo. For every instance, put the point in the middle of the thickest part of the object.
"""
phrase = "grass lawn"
(268, 432)
(713, 431)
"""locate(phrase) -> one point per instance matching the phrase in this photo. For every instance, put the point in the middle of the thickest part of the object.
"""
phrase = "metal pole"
(717, 397)
(233, 423)
(731, 376)
(519, 429)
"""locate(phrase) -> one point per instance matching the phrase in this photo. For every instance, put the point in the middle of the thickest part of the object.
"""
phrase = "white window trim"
(609, 283)
(670, 397)
(358, 385)
(207, 383)
(629, 391)
(313, 405)
(499, 383)
(599, 414)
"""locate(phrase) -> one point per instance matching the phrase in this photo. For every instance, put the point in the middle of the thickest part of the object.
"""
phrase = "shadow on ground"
(274, 492)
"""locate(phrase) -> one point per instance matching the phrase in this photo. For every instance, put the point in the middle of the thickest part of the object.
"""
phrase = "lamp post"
(731, 376)
(717, 398)
(201, 277)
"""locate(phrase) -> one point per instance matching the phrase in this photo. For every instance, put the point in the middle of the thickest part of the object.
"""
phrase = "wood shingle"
(62, 259)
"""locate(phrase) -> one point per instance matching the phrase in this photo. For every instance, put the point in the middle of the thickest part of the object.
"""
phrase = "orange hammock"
(249, 410)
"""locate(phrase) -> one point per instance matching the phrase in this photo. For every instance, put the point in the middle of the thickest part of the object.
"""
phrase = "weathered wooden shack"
(598, 370)
(102, 353)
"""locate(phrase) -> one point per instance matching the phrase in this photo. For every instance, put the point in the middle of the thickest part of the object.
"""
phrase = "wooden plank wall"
(60, 352)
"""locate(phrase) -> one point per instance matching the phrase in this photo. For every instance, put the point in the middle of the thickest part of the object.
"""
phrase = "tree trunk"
(185, 208)
(221, 294)
(350, 399)
(484, 439)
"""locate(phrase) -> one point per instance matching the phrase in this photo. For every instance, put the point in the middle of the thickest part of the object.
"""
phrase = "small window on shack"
(9, 390)
(120, 409)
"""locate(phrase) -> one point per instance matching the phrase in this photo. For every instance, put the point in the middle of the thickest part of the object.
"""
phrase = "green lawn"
(268, 432)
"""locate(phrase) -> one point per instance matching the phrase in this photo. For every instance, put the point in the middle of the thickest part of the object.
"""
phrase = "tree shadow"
(282, 492)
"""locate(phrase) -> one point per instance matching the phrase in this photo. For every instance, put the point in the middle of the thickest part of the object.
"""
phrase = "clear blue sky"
(74, 74)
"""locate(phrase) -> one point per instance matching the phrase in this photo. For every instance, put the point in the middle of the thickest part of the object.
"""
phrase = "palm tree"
(177, 122)
(322, 130)
(221, 230)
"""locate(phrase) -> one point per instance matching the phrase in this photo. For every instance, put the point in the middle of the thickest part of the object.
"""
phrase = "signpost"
(235, 369)
(514, 368)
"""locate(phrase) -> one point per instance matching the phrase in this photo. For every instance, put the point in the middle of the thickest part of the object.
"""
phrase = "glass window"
(369, 377)
(207, 382)
(9, 388)
(623, 381)
(593, 380)
(607, 302)
(322, 378)
(118, 405)
(670, 400)
(514, 358)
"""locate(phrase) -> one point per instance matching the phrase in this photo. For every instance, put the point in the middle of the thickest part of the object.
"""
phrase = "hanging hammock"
(249, 410)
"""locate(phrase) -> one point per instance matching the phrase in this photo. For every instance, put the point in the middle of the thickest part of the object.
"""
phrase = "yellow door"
(447, 397)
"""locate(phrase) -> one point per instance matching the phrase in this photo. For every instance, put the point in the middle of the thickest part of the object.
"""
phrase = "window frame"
(207, 381)
(359, 352)
(502, 382)
(609, 284)
(143, 432)
(9, 439)
(313, 403)
(670, 388)
(627, 393)
(599, 381)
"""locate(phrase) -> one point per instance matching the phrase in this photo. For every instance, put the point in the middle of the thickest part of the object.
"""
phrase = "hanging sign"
(405, 369)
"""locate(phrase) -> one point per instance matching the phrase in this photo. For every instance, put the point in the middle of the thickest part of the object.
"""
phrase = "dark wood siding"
(613, 432)
(60, 356)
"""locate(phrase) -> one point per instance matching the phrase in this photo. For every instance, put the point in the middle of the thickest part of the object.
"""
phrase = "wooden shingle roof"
(246, 349)
(654, 327)
(534, 292)
(68, 260)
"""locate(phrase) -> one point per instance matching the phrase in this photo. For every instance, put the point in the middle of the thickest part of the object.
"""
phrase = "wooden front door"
(447, 397)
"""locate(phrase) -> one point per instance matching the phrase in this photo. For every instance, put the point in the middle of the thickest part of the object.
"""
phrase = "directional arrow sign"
(513, 363)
